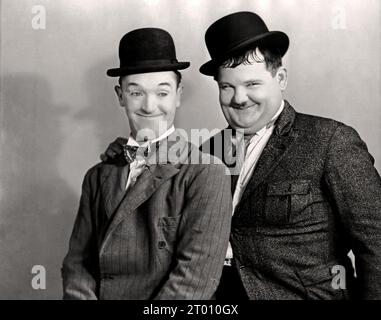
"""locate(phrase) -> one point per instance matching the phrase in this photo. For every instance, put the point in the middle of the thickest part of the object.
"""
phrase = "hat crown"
(146, 50)
(236, 33)
(146, 44)
(231, 30)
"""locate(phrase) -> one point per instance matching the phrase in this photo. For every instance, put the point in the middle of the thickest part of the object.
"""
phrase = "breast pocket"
(286, 199)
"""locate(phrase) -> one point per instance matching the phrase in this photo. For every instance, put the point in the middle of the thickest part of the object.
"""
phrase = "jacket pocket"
(285, 198)
(319, 283)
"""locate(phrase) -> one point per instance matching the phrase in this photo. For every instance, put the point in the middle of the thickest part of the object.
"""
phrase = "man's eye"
(162, 94)
(252, 84)
(135, 93)
(224, 86)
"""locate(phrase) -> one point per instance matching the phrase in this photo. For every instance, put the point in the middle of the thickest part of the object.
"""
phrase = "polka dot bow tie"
(130, 152)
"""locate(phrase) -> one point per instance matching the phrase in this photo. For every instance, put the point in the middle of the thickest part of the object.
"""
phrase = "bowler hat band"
(157, 62)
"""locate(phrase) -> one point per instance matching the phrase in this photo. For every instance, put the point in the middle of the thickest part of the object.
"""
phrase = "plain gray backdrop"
(58, 110)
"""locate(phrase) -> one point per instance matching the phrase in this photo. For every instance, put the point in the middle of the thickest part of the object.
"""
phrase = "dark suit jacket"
(165, 238)
(313, 196)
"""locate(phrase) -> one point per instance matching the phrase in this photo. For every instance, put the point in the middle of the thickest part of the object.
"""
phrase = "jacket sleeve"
(203, 236)
(77, 273)
(355, 188)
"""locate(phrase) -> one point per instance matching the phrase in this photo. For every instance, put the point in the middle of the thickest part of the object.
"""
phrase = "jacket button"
(162, 244)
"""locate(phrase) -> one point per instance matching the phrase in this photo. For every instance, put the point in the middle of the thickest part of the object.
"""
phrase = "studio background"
(58, 109)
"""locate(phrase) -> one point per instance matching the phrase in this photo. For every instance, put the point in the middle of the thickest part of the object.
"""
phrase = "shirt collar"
(273, 119)
(132, 142)
(271, 122)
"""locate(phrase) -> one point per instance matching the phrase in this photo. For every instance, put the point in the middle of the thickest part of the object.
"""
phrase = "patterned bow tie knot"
(131, 152)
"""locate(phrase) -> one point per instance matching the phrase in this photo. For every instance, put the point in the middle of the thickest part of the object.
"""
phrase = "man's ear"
(282, 78)
(119, 93)
(179, 93)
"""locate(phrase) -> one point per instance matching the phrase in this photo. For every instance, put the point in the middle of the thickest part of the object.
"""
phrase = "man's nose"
(149, 104)
(240, 96)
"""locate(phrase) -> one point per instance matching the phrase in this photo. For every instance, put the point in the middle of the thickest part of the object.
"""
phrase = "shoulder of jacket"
(203, 161)
(97, 169)
(316, 125)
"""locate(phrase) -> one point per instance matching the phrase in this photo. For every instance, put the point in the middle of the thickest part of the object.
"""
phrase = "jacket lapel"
(277, 147)
(113, 191)
(148, 182)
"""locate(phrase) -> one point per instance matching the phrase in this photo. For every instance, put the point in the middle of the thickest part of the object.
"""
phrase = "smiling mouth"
(149, 115)
(245, 107)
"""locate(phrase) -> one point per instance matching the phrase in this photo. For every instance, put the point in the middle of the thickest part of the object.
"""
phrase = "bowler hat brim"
(118, 72)
(273, 40)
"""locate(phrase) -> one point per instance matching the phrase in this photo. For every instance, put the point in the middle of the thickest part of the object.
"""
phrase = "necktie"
(132, 153)
(234, 178)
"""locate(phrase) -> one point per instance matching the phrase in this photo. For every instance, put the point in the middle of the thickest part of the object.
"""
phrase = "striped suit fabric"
(165, 238)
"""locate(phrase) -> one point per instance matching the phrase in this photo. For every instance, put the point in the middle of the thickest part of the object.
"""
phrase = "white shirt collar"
(132, 142)
(278, 112)
(271, 122)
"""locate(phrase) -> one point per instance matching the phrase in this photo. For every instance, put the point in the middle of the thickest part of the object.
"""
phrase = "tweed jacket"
(165, 238)
(313, 196)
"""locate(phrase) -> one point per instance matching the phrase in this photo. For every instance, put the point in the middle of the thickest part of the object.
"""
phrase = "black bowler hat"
(237, 32)
(146, 50)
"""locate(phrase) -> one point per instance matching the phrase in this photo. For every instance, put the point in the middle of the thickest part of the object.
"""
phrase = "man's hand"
(114, 149)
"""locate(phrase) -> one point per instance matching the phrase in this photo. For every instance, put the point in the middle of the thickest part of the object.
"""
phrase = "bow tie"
(130, 152)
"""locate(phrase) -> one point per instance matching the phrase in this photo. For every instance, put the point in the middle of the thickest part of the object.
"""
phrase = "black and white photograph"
(201, 150)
